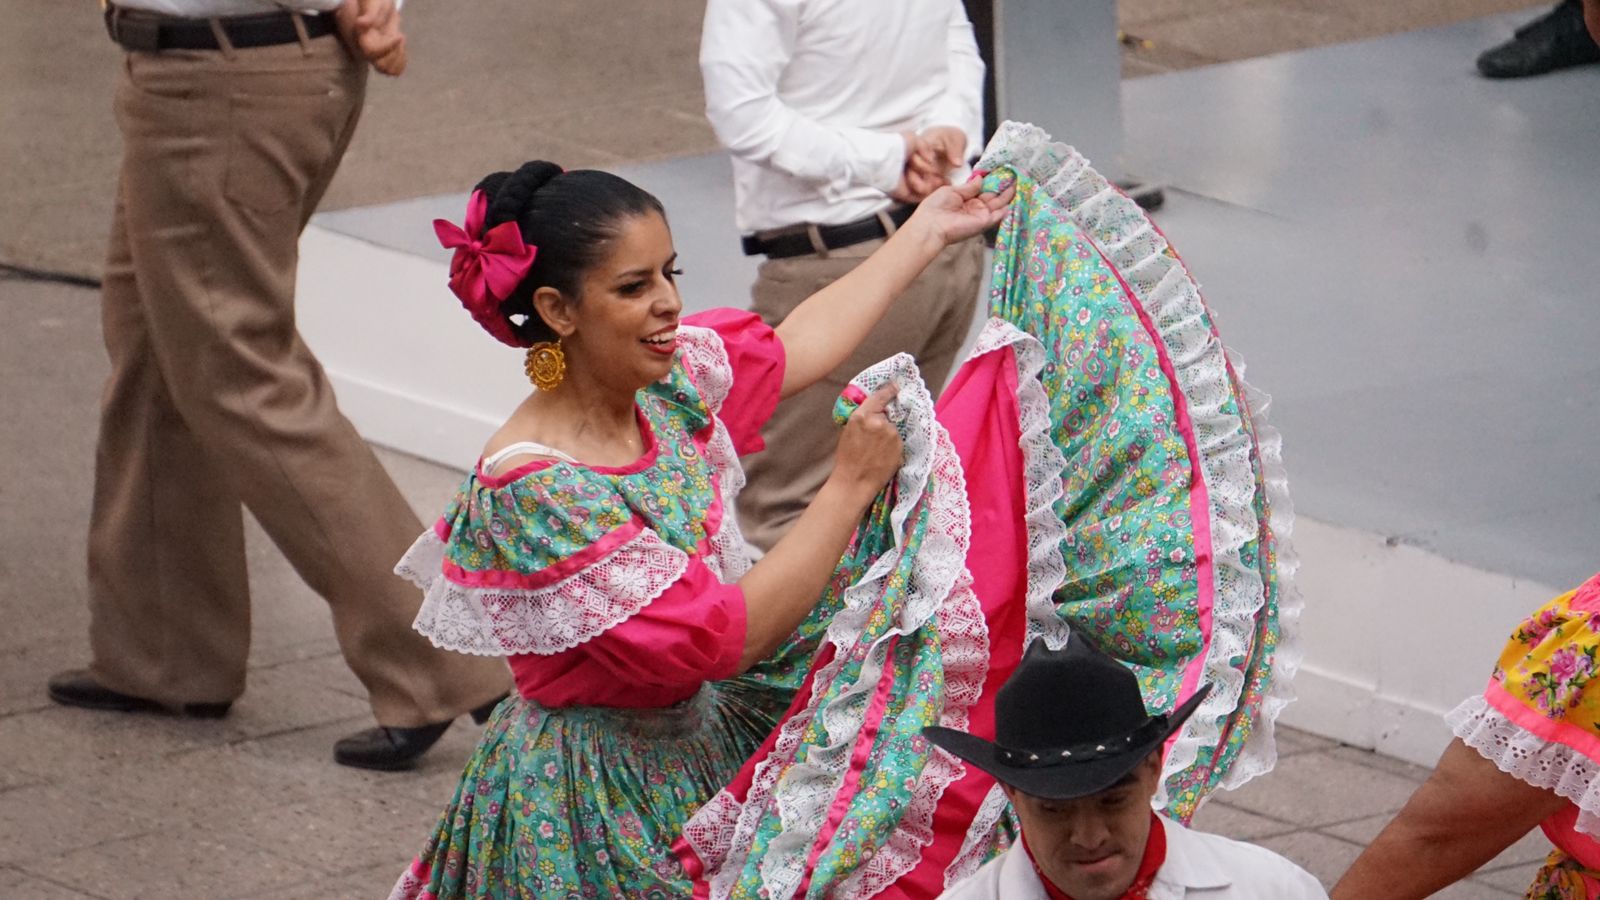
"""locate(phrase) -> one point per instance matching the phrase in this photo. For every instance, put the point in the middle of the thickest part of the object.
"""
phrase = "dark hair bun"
(571, 220)
(510, 193)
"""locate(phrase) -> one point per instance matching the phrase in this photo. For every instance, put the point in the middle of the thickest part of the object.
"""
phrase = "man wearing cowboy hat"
(1079, 758)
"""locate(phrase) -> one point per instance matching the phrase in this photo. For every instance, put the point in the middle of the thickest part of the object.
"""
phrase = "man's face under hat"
(1080, 757)
(1090, 847)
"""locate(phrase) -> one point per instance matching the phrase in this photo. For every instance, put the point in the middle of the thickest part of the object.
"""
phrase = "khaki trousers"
(214, 400)
(929, 321)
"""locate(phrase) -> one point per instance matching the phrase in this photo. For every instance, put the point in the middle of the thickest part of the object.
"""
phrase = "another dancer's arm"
(1465, 813)
(822, 332)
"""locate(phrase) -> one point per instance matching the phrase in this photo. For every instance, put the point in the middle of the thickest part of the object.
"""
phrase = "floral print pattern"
(556, 510)
(1563, 878)
(1130, 541)
(1133, 584)
(1550, 664)
(589, 802)
(1130, 547)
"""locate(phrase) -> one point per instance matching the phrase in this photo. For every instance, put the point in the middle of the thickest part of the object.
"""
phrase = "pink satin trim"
(859, 757)
(1537, 724)
(550, 574)
(1001, 589)
(421, 871)
(1199, 498)
(1562, 830)
(1587, 596)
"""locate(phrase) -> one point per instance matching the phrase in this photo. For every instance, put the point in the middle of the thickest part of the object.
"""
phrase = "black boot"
(1557, 40)
(76, 687)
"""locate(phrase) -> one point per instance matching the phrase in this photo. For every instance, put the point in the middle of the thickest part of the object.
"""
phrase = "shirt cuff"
(887, 153)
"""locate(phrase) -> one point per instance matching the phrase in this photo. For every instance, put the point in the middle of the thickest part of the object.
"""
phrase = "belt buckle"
(136, 32)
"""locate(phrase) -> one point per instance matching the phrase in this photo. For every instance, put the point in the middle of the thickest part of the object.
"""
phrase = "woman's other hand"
(782, 586)
(953, 214)
(870, 450)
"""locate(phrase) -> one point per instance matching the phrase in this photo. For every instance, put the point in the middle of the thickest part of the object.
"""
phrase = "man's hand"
(930, 157)
(940, 148)
(371, 31)
(914, 185)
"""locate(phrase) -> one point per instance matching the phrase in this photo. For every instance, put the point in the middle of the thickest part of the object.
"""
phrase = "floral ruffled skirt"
(1097, 465)
(586, 801)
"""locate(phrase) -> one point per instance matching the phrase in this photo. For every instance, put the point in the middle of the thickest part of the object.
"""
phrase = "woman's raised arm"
(822, 332)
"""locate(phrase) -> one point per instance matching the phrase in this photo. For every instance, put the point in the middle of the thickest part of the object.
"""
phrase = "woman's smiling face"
(623, 327)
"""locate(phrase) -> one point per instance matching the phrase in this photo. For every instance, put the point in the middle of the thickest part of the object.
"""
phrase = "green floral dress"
(611, 591)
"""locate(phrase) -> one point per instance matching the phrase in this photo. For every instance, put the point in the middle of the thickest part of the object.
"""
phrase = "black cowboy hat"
(1068, 723)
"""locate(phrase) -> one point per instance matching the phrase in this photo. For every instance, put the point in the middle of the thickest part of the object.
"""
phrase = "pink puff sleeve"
(755, 357)
(692, 633)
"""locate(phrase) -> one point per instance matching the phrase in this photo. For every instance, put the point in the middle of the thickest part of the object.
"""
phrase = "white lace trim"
(1530, 758)
(504, 621)
(1043, 464)
(1259, 754)
(706, 358)
(980, 840)
(1171, 298)
(721, 832)
(409, 887)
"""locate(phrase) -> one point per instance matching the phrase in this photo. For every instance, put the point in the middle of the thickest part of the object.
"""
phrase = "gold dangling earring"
(546, 365)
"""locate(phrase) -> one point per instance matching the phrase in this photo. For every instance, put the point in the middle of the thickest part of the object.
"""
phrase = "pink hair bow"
(487, 266)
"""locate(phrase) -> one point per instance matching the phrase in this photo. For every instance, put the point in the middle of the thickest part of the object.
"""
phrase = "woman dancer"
(595, 544)
(1526, 755)
(1095, 465)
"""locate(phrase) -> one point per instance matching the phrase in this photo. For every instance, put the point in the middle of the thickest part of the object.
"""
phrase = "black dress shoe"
(387, 749)
(397, 749)
(1557, 40)
(76, 687)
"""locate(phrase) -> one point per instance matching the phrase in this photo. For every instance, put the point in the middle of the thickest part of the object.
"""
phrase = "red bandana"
(1155, 853)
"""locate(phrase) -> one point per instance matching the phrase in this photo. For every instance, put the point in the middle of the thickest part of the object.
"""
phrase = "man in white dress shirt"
(234, 116)
(1080, 758)
(840, 116)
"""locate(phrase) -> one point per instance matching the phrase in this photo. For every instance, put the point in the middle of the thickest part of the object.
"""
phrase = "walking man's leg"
(226, 155)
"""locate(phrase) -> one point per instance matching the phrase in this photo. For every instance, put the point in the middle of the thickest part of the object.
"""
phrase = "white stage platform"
(1399, 249)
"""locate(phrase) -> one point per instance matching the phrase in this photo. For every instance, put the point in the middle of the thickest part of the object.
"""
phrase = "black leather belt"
(150, 32)
(795, 240)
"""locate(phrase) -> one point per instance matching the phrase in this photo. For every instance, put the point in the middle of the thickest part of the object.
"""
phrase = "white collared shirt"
(1199, 866)
(810, 98)
(202, 9)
